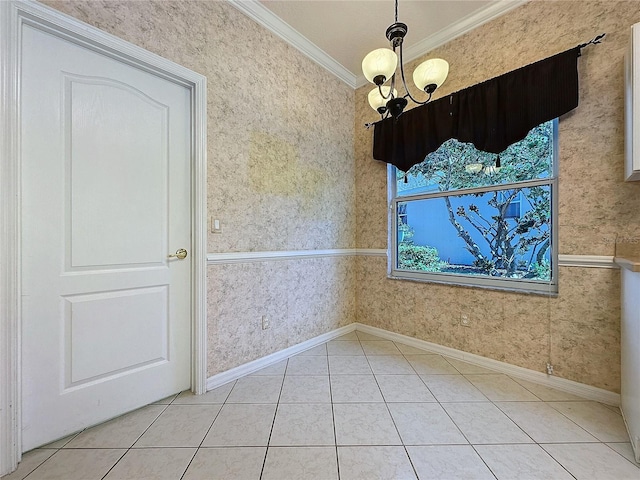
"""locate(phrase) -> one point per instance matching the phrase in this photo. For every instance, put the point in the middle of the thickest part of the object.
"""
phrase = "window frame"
(542, 287)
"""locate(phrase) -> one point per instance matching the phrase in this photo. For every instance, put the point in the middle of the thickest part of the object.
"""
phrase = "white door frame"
(13, 15)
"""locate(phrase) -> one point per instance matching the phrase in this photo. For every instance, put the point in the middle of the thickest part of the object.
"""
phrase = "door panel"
(133, 322)
(100, 172)
(106, 155)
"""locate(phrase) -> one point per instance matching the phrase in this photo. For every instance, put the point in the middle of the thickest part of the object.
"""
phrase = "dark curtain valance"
(492, 115)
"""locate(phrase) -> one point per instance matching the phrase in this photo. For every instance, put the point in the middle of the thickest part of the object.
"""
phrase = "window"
(513, 205)
(464, 217)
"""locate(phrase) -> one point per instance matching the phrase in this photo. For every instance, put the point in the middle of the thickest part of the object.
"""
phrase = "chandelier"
(381, 64)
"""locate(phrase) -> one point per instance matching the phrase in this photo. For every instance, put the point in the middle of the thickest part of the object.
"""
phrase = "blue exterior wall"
(430, 222)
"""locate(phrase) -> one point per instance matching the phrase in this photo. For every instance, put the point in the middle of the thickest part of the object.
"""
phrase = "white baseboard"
(635, 442)
(585, 391)
(569, 386)
(255, 365)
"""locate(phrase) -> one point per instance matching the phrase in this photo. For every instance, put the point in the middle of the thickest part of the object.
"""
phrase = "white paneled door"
(106, 312)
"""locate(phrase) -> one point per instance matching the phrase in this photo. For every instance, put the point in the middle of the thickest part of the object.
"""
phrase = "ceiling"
(339, 33)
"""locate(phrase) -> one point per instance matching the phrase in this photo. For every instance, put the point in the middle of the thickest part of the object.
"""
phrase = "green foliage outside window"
(417, 257)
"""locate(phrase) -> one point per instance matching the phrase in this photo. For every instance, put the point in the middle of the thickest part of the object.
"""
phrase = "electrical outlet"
(266, 323)
(465, 321)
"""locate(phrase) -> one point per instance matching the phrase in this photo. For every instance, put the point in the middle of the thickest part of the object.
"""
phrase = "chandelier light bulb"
(379, 65)
(431, 74)
(379, 102)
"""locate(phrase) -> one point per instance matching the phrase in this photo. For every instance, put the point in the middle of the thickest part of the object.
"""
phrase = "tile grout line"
(73, 436)
(333, 414)
(139, 437)
(207, 432)
(546, 403)
(473, 446)
(50, 456)
(555, 460)
(504, 413)
(42, 463)
(441, 404)
(632, 463)
(445, 411)
(456, 425)
(273, 422)
(573, 421)
(404, 447)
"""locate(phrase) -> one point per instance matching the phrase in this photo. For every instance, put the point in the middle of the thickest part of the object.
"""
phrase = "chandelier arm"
(405, 83)
(390, 95)
(416, 101)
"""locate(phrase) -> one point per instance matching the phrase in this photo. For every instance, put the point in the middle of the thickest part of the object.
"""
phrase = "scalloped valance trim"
(492, 115)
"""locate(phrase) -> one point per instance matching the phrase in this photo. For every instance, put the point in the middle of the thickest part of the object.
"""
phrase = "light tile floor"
(358, 407)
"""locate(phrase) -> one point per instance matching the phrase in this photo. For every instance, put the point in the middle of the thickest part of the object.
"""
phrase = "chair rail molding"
(250, 257)
(587, 261)
(584, 261)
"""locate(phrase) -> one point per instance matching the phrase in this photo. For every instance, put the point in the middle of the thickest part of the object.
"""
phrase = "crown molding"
(265, 17)
(461, 27)
(454, 30)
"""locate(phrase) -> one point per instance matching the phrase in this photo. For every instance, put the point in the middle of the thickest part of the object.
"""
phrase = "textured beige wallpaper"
(579, 329)
(281, 180)
(303, 299)
(280, 176)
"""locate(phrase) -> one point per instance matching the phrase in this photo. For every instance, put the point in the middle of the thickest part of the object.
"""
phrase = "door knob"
(181, 253)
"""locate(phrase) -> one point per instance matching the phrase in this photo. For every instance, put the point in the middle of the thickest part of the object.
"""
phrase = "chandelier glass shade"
(380, 65)
(378, 97)
(429, 73)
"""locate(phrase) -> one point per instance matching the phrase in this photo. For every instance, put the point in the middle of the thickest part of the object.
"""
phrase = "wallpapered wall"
(280, 176)
(279, 179)
(580, 329)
